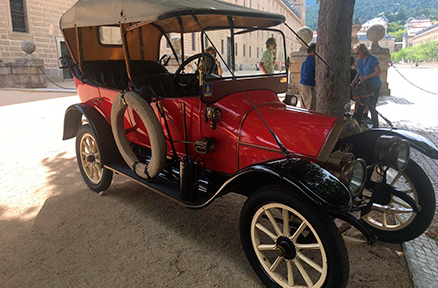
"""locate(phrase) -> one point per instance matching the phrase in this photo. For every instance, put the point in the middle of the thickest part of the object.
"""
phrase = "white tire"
(155, 131)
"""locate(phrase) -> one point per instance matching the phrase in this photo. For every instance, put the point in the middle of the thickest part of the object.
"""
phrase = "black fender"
(363, 144)
(102, 129)
(306, 179)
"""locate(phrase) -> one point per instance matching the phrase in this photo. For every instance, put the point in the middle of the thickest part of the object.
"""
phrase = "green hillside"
(369, 9)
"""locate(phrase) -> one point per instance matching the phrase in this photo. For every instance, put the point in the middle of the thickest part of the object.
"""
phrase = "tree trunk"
(334, 46)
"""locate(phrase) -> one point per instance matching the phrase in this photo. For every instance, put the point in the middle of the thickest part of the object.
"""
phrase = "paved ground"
(416, 110)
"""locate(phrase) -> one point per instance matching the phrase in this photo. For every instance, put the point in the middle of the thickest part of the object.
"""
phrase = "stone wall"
(24, 73)
(296, 60)
(43, 29)
(383, 55)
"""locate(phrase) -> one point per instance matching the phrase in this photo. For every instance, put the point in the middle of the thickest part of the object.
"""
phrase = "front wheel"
(289, 243)
(88, 156)
(392, 219)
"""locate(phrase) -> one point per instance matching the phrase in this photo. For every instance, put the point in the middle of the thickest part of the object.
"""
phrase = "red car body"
(241, 134)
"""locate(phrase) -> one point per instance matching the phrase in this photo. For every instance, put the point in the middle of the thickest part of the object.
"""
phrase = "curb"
(72, 90)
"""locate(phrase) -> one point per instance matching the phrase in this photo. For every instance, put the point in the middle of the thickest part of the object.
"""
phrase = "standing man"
(267, 63)
(307, 82)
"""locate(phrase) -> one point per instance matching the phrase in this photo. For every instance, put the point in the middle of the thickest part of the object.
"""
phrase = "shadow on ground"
(133, 237)
(130, 237)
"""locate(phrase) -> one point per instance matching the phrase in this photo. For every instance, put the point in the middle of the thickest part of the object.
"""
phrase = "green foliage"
(398, 11)
(398, 35)
(312, 16)
(394, 27)
(401, 13)
(429, 51)
(417, 12)
(425, 52)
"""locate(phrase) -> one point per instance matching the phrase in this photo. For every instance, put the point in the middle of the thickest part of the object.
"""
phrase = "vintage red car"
(180, 127)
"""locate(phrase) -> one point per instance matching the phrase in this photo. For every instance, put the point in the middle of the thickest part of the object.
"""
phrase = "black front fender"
(306, 178)
(363, 144)
(416, 141)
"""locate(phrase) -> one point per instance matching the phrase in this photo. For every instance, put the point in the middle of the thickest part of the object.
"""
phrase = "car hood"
(302, 132)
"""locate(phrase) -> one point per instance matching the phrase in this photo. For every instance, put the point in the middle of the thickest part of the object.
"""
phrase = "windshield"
(248, 53)
(259, 52)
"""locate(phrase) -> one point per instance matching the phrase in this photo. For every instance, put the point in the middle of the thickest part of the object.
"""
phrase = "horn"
(205, 145)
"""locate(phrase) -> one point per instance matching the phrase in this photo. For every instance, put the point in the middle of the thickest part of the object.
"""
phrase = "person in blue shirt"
(369, 70)
(306, 87)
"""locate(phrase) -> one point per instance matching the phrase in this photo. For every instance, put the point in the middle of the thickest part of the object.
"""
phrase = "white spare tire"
(154, 130)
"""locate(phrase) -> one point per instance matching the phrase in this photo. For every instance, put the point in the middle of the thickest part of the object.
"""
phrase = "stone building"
(38, 20)
(249, 49)
(379, 20)
(413, 26)
(426, 35)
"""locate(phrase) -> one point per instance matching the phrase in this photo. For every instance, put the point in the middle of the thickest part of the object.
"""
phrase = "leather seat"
(113, 74)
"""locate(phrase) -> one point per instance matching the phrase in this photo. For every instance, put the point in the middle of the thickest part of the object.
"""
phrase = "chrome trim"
(346, 175)
(340, 130)
(217, 192)
(303, 156)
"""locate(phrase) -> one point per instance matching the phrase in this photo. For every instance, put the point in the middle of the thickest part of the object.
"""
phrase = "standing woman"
(369, 71)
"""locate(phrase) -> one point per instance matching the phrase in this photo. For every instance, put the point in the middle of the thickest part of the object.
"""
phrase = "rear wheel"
(89, 160)
(291, 244)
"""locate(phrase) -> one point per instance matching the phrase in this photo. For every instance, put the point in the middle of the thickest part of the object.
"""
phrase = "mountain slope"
(369, 9)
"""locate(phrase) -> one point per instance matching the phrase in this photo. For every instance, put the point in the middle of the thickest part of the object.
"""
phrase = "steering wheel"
(210, 66)
(164, 60)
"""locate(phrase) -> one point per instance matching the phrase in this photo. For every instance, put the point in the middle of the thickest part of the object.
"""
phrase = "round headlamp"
(401, 155)
(353, 175)
(392, 151)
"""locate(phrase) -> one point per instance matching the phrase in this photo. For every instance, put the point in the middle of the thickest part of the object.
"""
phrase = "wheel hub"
(91, 158)
(384, 195)
(286, 248)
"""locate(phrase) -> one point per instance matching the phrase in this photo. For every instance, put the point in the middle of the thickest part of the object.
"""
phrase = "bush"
(425, 52)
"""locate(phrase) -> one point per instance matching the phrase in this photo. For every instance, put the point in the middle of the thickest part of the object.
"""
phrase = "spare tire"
(154, 130)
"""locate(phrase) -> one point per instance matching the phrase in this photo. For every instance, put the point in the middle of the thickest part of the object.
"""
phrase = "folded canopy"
(210, 12)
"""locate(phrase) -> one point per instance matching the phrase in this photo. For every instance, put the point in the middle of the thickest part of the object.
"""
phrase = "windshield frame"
(233, 54)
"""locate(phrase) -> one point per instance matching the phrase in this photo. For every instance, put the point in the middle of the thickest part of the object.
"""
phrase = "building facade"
(250, 48)
(379, 20)
(38, 20)
(426, 35)
(413, 26)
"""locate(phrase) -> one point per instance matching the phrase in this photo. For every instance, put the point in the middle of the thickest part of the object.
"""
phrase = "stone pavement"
(67, 86)
(413, 109)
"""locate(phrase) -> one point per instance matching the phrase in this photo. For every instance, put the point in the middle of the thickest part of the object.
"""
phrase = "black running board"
(160, 185)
